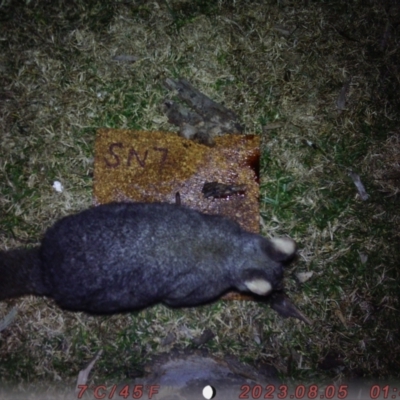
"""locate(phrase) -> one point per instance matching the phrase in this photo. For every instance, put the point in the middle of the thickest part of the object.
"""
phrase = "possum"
(121, 257)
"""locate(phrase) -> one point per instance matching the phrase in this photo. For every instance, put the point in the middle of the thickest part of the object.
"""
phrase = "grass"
(59, 83)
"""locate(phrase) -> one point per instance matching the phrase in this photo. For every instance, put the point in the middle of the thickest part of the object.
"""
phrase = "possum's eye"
(281, 249)
(259, 286)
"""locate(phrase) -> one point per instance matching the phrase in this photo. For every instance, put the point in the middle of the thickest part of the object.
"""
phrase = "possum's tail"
(20, 273)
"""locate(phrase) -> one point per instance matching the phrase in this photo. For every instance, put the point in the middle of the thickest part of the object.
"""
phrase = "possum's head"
(266, 274)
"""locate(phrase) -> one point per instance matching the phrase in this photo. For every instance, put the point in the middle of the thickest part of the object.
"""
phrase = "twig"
(360, 187)
(84, 373)
(8, 319)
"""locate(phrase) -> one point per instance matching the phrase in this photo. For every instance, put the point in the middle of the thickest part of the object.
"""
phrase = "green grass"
(56, 90)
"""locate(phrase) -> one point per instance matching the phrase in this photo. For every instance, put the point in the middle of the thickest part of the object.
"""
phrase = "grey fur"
(127, 256)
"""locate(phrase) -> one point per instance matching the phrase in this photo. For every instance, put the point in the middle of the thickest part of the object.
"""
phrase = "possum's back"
(131, 255)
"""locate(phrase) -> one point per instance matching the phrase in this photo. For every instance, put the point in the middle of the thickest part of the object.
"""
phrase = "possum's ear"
(281, 249)
(259, 286)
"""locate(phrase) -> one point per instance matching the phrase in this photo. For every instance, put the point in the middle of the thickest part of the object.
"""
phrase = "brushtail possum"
(127, 256)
